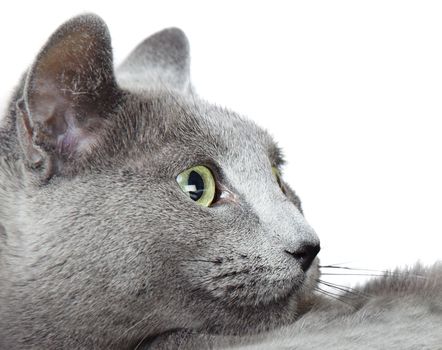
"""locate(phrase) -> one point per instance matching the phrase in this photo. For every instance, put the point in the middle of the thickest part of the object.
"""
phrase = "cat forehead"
(194, 129)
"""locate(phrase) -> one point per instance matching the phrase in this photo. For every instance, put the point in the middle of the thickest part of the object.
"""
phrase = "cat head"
(147, 208)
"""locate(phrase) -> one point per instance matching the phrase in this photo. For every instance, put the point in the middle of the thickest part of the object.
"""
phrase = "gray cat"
(133, 214)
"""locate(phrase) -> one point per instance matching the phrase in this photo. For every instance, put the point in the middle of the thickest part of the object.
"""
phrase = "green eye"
(277, 175)
(199, 184)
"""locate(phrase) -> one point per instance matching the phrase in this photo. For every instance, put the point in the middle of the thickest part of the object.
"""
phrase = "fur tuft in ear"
(69, 92)
(161, 61)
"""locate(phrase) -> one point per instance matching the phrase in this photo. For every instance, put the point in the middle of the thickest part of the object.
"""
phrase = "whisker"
(341, 263)
(333, 296)
(353, 274)
(319, 289)
(382, 273)
(387, 274)
(339, 295)
(348, 268)
(345, 289)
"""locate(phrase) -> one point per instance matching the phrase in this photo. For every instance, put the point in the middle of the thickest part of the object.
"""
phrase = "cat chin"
(254, 315)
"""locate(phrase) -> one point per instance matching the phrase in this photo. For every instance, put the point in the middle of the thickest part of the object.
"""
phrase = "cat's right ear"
(69, 93)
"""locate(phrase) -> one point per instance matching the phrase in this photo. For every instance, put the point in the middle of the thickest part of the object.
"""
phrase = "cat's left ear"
(69, 93)
(162, 61)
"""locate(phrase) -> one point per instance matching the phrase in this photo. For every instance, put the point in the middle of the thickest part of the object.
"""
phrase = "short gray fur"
(162, 60)
(100, 248)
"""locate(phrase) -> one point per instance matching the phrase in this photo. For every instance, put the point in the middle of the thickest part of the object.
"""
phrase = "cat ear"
(160, 61)
(68, 93)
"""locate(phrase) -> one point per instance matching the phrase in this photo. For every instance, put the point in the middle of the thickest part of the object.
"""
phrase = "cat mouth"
(254, 292)
(251, 286)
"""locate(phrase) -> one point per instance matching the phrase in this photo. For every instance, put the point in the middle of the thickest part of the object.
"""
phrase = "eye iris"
(277, 176)
(199, 184)
(196, 184)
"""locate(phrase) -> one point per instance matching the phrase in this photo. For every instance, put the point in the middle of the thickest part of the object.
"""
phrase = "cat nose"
(305, 254)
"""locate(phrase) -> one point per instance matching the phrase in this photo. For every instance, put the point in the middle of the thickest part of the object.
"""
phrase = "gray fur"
(162, 60)
(402, 310)
(99, 248)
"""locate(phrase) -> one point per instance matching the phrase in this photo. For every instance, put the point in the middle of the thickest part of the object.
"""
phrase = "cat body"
(401, 310)
(100, 248)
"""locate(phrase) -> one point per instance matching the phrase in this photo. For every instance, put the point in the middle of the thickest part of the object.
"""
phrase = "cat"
(133, 214)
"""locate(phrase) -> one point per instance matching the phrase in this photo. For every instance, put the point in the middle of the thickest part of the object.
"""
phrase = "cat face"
(112, 234)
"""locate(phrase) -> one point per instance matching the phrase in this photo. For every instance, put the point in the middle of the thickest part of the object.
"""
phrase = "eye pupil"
(195, 182)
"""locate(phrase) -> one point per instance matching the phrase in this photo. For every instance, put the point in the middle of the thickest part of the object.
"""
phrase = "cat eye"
(199, 184)
(277, 175)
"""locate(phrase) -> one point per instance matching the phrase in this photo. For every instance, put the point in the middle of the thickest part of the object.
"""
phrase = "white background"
(350, 89)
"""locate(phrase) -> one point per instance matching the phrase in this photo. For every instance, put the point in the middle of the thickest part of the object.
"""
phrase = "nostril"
(305, 255)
